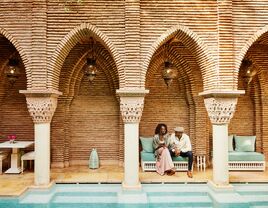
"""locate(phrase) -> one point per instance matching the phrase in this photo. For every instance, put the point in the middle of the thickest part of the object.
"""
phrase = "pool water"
(151, 195)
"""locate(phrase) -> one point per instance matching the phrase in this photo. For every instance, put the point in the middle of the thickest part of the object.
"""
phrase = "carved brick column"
(41, 106)
(220, 106)
(131, 107)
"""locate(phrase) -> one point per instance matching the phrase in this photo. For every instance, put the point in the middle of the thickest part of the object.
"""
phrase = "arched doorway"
(179, 104)
(14, 115)
(88, 114)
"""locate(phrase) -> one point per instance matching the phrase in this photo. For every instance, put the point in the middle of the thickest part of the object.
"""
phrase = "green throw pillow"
(147, 144)
(245, 143)
(230, 143)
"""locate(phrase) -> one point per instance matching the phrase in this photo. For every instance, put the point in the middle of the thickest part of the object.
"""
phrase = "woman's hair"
(158, 127)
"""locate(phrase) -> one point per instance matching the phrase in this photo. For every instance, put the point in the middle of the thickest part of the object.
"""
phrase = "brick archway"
(191, 40)
(21, 52)
(69, 41)
(246, 47)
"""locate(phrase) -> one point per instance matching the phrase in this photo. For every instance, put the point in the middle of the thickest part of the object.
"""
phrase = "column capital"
(221, 105)
(131, 104)
(41, 104)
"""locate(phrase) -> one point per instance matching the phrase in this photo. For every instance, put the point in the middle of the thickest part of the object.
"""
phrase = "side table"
(201, 162)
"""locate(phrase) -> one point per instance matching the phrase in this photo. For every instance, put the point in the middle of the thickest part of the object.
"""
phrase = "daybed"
(242, 155)
(148, 159)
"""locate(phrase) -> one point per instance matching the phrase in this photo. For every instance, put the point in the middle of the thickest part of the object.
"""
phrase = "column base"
(45, 186)
(128, 187)
(220, 187)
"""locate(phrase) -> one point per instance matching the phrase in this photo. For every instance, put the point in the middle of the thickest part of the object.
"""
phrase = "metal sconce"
(12, 70)
(91, 69)
(169, 72)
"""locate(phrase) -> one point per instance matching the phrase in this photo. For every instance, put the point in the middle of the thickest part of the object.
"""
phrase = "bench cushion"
(246, 156)
(245, 143)
(147, 144)
(231, 143)
(145, 156)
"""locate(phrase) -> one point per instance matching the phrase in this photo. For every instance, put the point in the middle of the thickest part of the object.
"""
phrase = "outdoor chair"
(27, 156)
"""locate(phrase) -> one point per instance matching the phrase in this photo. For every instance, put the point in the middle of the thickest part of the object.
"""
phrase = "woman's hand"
(162, 145)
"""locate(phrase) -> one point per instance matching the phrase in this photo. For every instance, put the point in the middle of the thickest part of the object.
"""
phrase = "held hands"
(177, 152)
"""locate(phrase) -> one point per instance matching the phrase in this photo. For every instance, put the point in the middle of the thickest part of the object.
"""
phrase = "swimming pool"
(151, 195)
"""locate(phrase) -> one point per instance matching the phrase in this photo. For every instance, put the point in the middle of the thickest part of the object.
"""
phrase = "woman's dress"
(163, 159)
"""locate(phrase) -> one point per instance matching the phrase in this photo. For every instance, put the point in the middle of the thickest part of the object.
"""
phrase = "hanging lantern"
(168, 73)
(91, 69)
(248, 71)
(12, 71)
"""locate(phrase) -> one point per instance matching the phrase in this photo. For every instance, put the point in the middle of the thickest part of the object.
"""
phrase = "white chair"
(3, 156)
(27, 156)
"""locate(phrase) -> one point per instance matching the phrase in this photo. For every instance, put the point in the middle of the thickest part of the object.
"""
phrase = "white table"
(15, 160)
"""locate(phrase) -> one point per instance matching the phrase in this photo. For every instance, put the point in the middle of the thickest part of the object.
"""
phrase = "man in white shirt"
(181, 146)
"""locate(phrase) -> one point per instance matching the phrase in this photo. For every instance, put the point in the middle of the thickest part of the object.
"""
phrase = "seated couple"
(167, 146)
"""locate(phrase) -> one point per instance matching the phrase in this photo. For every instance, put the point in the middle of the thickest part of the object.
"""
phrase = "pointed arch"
(21, 52)
(205, 60)
(69, 41)
(253, 38)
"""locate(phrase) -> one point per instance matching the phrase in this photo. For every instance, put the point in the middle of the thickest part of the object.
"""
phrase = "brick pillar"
(131, 107)
(41, 106)
(225, 44)
(132, 42)
(39, 45)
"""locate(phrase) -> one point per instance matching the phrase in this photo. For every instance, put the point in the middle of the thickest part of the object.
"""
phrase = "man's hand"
(177, 152)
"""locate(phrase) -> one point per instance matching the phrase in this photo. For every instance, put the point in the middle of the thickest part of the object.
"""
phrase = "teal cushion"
(146, 156)
(230, 143)
(246, 156)
(180, 158)
(147, 144)
(245, 143)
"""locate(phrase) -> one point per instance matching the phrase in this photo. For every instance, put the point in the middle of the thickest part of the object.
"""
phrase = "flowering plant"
(12, 138)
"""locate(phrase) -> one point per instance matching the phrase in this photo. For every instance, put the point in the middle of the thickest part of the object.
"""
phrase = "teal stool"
(94, 159)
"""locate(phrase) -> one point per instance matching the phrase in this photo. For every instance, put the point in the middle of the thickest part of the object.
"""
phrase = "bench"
(242, 155)
(148, 160)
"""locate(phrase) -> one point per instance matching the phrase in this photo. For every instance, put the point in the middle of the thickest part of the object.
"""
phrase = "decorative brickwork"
(70, 40)
(225, 44)
(208, 41)
(195, 44)
(21, 51)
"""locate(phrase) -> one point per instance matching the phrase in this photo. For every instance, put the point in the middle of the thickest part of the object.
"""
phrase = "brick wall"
(208, 41)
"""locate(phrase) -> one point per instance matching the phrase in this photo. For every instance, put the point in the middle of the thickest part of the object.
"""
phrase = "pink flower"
(12, 137)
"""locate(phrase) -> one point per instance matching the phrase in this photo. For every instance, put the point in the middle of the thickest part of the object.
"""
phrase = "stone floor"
(15, 184)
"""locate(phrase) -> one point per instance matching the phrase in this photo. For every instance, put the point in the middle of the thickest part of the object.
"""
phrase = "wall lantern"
(12, 71)
(91, 69)
(169, 72)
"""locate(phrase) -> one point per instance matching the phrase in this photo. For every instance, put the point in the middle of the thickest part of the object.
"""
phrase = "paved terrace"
(15, 184)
